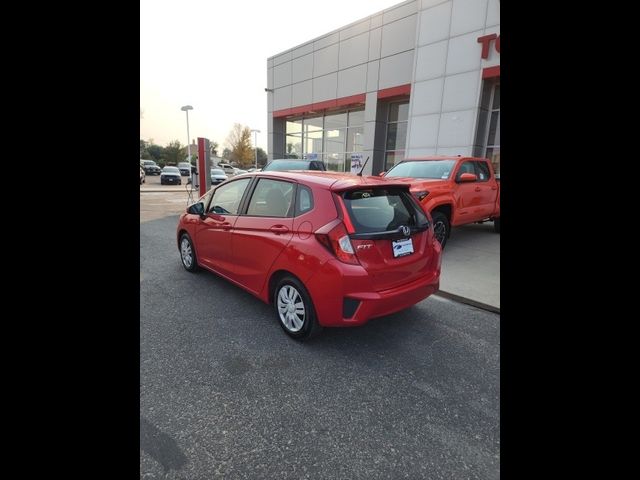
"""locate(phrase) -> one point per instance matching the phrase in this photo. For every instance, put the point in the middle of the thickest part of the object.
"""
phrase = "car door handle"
(494, 188)
(478, 189)
(278, 229)
(226, 226)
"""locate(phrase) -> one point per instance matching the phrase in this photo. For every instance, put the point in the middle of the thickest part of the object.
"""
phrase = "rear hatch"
(388, 231)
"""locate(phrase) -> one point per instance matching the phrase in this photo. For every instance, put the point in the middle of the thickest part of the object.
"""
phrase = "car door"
(488, 189)
(263, 231)
(213, 234)
(467, 196)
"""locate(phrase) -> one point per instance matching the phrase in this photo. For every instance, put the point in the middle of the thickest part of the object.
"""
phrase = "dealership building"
(419, 78)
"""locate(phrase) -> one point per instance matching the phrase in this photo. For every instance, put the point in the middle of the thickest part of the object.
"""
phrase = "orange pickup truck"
(453, 190)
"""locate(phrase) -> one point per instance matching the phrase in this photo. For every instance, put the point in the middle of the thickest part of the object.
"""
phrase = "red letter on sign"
(486, 41)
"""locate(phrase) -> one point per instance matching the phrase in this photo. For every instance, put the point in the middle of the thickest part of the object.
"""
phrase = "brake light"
(337, 242)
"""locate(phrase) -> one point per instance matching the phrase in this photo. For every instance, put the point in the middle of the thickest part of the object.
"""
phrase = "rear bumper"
(336, 281)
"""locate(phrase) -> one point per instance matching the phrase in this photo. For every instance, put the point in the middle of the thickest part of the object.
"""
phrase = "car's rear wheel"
(188, 253)
(295, 310)
(441, 227)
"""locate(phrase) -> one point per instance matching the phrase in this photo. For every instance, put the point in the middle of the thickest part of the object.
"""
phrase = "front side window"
(466, 167)
(226, 198)
(271, 198)
(206, 198)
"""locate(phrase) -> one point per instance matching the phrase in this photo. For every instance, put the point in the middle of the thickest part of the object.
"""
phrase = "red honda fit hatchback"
(326, 249)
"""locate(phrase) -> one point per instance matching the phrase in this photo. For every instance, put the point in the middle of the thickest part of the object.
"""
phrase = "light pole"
(186, 108)
(255, 144)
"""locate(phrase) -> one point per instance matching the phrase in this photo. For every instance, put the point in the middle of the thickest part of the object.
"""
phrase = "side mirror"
(467, 177)
(196, 209)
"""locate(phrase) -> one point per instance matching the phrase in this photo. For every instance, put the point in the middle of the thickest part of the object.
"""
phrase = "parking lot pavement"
(224, 393)
(471, 264)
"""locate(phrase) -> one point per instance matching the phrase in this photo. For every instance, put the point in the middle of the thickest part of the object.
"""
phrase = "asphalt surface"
(224, 393)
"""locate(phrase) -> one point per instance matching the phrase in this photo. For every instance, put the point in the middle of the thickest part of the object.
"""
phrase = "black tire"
(290, 291)
(441, 227)
(188, 253)
(496, 225)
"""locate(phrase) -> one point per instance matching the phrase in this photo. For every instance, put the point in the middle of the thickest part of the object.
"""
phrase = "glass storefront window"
(391, 158)
(293, 147)
(313, 142)
(396, 136)
(355, 139)
(331, 138)
(398, 112)
(356, 118)
(337, 120)
(335, 162)
(312, 124)
(396, 133)
(334, 140)
(492, 151)
(294, 126)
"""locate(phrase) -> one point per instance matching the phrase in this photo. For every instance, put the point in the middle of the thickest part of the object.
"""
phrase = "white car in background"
(228, 169)
(218, 176)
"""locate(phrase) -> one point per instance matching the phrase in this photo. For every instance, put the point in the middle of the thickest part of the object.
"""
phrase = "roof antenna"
(363, 165)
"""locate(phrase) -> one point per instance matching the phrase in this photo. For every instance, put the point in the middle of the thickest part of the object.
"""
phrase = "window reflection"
(331, 138)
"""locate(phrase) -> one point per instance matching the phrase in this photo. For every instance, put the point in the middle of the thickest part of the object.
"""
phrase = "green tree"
(214, 148)
(155, 152)
(143, 149)
(239, 141)
(262, 158)
(172, 153)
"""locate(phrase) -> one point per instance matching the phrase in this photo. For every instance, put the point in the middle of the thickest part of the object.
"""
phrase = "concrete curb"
(468, 301)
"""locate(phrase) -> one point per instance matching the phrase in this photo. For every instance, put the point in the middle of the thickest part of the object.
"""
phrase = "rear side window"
(271, 198)
(304, 203)
(382, 210)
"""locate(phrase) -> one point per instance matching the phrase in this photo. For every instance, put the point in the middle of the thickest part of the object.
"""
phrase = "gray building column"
(374, 135)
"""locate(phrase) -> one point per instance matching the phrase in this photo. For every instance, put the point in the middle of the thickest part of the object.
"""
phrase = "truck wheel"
(441, 227)
(496, 225)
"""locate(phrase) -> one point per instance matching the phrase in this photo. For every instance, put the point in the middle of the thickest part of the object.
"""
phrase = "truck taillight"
(337, 242)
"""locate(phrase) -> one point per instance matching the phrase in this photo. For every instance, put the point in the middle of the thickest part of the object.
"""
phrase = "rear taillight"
(337, 242)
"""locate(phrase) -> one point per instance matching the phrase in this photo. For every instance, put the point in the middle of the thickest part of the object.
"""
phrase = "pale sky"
(213, 54)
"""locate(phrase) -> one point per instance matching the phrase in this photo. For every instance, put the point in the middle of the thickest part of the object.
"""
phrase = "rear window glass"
(382, 209)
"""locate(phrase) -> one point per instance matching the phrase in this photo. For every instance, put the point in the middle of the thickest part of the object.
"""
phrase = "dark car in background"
(170, 176)
(218, 176)
(281, 164)
(150, 167)
(185, 168)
